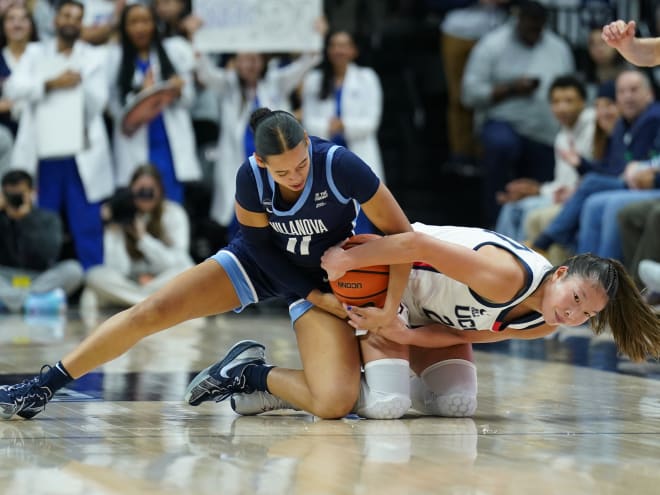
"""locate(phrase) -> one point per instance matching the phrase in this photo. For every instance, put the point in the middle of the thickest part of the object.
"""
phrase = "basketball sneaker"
(227, 376)
(25, 399)
(257, 403)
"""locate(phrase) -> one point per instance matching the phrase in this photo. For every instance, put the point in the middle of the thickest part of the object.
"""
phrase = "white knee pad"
(447, 388)
(384, 389)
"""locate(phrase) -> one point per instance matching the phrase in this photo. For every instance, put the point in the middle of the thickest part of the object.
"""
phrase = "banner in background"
(258, 25)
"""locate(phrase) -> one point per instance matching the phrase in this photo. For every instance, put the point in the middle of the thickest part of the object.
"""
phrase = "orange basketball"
(364, 286)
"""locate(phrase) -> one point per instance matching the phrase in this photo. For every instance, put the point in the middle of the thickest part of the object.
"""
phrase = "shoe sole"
(237, 349)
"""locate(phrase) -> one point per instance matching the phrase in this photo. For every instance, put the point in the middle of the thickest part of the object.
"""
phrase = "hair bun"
(257, 116)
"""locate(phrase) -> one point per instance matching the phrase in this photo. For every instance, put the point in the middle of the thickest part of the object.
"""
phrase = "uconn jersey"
(324, 213)
(431, 297)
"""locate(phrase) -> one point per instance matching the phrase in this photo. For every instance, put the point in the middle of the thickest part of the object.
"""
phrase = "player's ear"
(260, 161)
(560, 272)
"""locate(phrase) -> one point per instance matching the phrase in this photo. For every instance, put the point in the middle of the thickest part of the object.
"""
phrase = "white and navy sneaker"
(25, 399)
(226, 377)
(257, 403)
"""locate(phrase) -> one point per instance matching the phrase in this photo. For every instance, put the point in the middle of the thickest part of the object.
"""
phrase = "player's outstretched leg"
(28, 398)
(257, 403)
(241, 370)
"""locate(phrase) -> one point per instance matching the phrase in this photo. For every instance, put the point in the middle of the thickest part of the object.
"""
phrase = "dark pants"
(506, 155)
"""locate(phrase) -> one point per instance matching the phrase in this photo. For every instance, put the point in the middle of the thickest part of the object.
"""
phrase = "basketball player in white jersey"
(473, 285)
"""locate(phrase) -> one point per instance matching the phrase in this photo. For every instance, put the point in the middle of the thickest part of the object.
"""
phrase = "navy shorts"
(252, 284)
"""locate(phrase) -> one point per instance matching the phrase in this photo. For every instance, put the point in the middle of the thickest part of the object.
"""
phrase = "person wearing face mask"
(146, 243)
(30, 243)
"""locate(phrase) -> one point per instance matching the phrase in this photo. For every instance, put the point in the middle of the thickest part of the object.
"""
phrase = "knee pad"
(449, 388)
(384, 389)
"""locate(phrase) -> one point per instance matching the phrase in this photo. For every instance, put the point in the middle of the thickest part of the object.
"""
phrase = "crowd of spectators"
(557, 136)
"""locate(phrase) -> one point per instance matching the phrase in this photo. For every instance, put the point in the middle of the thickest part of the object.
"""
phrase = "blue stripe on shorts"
(246, 290)
(239, 278)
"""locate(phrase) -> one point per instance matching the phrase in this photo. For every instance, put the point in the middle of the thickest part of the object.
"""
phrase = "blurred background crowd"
(509, 115)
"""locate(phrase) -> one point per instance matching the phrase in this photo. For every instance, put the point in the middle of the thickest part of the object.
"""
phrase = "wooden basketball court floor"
(556, 416)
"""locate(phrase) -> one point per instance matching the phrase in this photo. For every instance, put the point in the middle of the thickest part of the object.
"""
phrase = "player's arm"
(386, 214)
(644, 52)
(491, 272)
(437, 335)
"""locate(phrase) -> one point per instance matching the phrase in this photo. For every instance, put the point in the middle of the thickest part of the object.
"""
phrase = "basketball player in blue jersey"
(296, 197)
(472, 285)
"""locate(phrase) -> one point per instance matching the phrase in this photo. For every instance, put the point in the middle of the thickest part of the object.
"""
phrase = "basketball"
(364, 286)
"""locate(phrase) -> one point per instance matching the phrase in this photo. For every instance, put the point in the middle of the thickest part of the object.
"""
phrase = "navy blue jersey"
(324, 214)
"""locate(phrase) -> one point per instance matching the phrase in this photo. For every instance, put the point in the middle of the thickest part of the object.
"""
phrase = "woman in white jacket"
(167, 140)
(343, 102)
(246, 84)
(146, 242)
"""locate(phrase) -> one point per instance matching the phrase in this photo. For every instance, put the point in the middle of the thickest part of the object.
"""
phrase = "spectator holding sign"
(247, 82)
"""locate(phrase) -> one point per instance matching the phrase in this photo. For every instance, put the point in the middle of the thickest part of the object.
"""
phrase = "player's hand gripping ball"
(364, 286)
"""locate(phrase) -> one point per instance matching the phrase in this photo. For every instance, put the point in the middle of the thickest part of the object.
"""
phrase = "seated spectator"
(607, 115)
(635, 137)
(639, 223)
(649, 273)
(506, 81)
(30, 243)
(568, 103)
(146, 243)
(602, 63)
(17, 29)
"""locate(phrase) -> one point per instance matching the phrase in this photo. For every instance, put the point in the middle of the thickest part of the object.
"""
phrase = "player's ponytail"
(634, 325)
(275, 131)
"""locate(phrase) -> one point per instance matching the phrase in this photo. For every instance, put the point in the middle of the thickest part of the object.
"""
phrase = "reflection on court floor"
(558, 415)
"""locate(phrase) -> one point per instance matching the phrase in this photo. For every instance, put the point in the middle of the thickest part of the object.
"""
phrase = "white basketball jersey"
(432, 297)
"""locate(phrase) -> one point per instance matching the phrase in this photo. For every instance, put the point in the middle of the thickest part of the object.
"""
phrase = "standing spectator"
(30, 243)
(506, 81)
(461, 28)
(17, 29)
(568, 102)
(247, 82)
(639, 223)
(343, 102)
(173, 17)
(635, 137)
(74, 183)
(146, 243)
(167, 140)
(101, 20)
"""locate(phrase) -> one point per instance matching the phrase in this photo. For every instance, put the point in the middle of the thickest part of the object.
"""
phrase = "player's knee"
(450, 388)
(384, 406)
(146, 315)
(384, 389)
(455, 405)
(331, 409)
